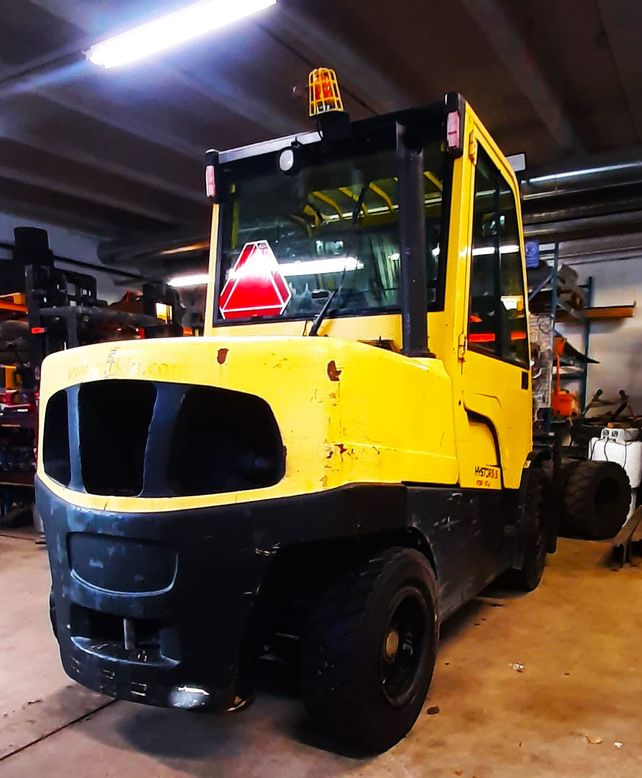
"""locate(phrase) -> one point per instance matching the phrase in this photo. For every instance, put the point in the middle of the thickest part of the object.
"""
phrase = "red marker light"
(452, 131)
(38, 330)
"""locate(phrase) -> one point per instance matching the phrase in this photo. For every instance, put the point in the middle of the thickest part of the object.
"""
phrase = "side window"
(512, 281)
(433, 195)
(484, 331)
(497, 314)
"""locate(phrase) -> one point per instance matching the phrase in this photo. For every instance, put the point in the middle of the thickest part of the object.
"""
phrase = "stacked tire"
(596, 499)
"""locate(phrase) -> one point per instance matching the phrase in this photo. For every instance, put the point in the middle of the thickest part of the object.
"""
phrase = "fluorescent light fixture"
(308, 267)
(313, 267)
(193, 21)
(589, 171)
(485, 251)
(192, 279)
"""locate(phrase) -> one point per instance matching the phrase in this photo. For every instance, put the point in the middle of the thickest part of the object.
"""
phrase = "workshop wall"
(65, 243)
(617, 344)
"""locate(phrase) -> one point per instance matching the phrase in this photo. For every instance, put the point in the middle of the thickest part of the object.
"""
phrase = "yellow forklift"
(343, 460)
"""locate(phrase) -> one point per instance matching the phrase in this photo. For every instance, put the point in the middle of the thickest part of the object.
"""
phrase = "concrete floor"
(575, 710)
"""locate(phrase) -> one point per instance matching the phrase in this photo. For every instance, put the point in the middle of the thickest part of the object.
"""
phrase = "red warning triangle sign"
(255, 285)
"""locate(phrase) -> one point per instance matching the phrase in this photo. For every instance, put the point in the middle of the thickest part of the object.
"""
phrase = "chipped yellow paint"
(328, 419)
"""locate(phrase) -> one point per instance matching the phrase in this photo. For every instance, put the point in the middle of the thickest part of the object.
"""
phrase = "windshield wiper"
(320, 317)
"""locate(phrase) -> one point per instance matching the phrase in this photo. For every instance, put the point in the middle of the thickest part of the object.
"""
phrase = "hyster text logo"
(482, 471)
(486, 477)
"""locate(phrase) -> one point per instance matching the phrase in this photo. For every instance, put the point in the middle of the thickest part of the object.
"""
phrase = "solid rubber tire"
(585, 515)
(340, 678)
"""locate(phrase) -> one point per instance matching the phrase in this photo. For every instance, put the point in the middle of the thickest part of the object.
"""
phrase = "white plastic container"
(627, 453)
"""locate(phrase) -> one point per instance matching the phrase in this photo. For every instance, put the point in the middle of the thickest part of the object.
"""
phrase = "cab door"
(496, 386)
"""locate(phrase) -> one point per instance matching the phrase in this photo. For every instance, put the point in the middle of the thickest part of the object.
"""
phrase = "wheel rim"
(403, 647)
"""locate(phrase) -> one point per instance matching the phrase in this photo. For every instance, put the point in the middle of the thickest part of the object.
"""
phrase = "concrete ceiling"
(119, 154)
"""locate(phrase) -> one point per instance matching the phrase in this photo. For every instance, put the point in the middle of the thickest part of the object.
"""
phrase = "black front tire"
(369, 650)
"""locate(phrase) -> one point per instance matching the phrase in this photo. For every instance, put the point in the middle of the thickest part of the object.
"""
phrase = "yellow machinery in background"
(344, 458)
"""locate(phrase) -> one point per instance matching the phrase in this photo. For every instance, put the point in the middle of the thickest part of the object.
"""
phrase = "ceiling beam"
(22, 199)
(110, 115)
(233, 97)
(38, 167)
(622, 20)
(162, 176)
(313, 43)
(512, 49)
(83, 14)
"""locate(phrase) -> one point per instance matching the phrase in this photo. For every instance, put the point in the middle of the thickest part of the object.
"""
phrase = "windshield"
(329, 229)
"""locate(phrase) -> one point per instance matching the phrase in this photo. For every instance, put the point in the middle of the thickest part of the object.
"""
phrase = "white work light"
(170, 30)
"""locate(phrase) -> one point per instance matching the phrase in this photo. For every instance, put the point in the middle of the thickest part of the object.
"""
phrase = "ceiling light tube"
(191, 279)
(484, 251)
(307, 267)
(193, 21)
(589, 171)
(313, 267)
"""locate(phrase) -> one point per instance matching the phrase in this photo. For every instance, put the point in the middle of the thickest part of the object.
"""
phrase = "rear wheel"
(369, 650)
(597, 498)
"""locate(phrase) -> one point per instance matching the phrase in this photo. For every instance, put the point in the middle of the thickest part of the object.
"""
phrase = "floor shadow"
(461, 620)
(303, 732)
(170, 735)
(199, 743)
(203, 744)
(279, 679)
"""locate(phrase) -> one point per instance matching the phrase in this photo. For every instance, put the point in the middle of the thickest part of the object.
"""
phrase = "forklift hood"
(154, 425)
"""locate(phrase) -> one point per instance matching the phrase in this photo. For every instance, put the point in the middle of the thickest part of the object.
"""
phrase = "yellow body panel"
(347, 412)
(490, 387)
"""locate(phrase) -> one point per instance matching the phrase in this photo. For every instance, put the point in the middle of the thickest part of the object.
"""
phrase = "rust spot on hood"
(222, 355)
(333, 371)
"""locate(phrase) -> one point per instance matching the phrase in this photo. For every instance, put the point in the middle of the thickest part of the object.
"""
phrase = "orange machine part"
(563, 402)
